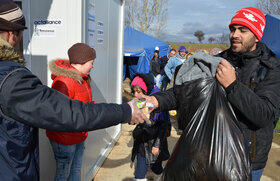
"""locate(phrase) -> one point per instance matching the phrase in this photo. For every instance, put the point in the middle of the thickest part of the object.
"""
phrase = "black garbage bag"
(212, 146)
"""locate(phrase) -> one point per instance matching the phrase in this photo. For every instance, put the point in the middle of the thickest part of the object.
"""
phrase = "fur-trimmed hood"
(8, 53)
(64, 68)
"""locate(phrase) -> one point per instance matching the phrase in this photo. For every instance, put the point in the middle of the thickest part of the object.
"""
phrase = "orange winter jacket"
(69, 81)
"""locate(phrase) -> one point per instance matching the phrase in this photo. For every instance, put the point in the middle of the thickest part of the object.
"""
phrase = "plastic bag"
(212, 146)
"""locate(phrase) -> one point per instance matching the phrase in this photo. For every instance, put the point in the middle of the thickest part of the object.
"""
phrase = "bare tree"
(211, 39)
(199, 35)
(161, 20)
(130, 13)
(269, 6)
(223, 39)
(147, 16)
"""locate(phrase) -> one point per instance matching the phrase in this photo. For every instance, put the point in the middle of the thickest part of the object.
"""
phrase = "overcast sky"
(210, 16)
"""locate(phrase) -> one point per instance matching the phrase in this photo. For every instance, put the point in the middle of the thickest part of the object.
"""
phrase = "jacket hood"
(149, 81)
(8, 53)
(64, 68)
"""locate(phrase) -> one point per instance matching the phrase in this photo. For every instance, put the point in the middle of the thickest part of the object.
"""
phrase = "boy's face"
(85, 68)
(138, 93)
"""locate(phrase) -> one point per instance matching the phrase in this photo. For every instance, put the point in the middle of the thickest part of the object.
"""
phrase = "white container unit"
(53, 27)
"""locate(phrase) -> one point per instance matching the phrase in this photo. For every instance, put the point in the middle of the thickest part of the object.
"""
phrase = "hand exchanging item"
(138, 115)
(152, 100)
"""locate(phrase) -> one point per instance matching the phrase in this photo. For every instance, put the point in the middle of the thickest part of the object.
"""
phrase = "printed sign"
(91, 23)
(46, 28)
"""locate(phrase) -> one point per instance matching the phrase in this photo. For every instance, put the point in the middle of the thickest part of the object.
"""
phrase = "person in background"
(215, 51)
(250, 74)
(26, 105)
(71, 77)
(164, 80)
(175, 61)
(150, 144)
(155, 66)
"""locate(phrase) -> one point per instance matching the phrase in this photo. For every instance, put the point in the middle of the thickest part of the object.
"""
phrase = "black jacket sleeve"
(260, 106)
(166, 100)
(23, 98)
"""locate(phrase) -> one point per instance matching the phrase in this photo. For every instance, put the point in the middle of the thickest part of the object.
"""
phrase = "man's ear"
(257, 40)
(10, 36)
(10, 33)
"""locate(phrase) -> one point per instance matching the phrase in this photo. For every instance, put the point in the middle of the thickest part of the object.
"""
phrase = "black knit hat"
(80, 53)
(11, 17)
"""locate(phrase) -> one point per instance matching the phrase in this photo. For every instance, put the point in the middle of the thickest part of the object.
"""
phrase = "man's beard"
(244, 47)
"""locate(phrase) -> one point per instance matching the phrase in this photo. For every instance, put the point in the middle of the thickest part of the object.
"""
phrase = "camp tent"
(271, 34)
(138, 50)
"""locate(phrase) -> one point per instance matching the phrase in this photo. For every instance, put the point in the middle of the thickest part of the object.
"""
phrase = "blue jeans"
(256, 174)
(142, 167)
(164, 81)
(68, 161)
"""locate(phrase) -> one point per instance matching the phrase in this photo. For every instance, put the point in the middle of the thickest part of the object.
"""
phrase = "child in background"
(150, 143)
(71, 77)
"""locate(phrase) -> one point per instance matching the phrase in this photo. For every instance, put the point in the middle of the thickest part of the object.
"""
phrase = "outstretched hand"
(225, 73)
(138, 115)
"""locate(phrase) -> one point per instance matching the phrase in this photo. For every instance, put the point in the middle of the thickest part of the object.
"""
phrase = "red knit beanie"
(252, 18)
(139, 82)
(80, 53)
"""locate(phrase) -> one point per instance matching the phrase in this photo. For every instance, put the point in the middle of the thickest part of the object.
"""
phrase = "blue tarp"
(271, 34)
(138, 44)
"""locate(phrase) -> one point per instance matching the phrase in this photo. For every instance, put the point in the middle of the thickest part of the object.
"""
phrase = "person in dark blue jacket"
(26, 105)
(155, 66)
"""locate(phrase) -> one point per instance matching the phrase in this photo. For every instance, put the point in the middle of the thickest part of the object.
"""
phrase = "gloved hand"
(137, 114)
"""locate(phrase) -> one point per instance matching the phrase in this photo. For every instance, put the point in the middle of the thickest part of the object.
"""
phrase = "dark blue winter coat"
(26, 105)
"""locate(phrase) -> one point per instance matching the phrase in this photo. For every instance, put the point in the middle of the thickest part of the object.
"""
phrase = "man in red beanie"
(26, 105)
(252, 84)
(250, 74)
